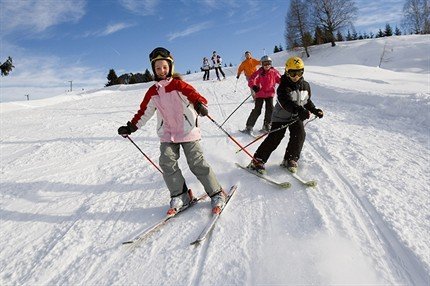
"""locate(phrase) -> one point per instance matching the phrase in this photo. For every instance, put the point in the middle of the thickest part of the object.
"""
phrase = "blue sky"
(55, 41)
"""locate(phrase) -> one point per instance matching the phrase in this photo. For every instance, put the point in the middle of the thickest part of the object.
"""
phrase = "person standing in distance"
(217, 64)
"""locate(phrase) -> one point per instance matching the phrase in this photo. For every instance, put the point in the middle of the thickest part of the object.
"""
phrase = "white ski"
(145, 233)
(310, 183)
(284, 185)
(215, 216)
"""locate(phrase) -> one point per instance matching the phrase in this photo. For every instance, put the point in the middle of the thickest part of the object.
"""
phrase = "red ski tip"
(216, 210)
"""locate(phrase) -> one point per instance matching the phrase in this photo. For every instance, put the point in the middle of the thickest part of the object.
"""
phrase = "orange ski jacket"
(248, 66)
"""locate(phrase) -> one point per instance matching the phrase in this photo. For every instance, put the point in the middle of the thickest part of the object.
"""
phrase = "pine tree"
(354, 35)
(276, 49)
(380, 34)
(319, 36)
(397, 31)
(112, 78)
(133, 79)
(6, 67)
(348, 36)
(339, 36)
(388, 30)
(147, 76)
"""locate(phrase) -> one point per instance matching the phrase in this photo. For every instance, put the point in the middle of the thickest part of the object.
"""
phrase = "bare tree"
(297, 23)
(333, 15)
(416, 14)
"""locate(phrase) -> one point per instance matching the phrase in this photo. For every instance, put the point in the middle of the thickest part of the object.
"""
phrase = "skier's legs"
(172, 175)
(297, 139)
(216, 71)
(223, 74)
(269, 110)
(271, 142)
(200, 168)
(255, 113)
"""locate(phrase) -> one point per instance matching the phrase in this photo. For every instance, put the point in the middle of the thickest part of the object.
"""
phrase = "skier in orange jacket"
(248, 66)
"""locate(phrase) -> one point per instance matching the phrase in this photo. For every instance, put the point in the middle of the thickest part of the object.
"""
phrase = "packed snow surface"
(72, 190)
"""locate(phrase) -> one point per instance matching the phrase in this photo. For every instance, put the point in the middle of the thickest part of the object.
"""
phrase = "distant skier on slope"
(217, 64)
(177, 105)
(294, 100)
(248, 67)
(206, 68)
(263, 82)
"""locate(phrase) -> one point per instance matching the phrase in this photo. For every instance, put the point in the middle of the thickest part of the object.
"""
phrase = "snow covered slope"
(72, 189)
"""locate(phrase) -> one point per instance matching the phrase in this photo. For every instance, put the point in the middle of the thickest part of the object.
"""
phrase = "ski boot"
(266, 127)
(247, 130)
(291, 165)
(218, 201)
(257, 165)
(179, 202)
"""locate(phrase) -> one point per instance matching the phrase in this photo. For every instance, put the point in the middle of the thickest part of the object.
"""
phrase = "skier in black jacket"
(293, 104)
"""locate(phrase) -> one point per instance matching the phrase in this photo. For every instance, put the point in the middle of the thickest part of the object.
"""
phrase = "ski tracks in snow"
(389, 253)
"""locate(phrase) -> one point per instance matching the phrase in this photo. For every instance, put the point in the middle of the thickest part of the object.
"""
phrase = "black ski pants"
(217, 74)
(255, 113)
(206, 75)
(272, 141)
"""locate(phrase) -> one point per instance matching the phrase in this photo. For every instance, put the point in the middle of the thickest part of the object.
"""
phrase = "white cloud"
(110, 29)
(373, 15)
(141, 7)
(190, 30)
(46, 76)
(37, 16)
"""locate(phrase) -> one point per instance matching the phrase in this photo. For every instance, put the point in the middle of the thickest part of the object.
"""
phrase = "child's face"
(295, 78)
(162, 68)
(295, 75)
(266, 65)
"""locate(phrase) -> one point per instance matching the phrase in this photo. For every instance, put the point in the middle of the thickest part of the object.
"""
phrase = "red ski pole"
(231, 137)
(147, 158)
(265, 134)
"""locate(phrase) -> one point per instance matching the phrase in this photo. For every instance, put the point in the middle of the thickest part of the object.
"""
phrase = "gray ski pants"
(172, 174)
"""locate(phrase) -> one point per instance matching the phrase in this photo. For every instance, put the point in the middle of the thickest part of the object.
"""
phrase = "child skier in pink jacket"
(177, 105)
(263, 82)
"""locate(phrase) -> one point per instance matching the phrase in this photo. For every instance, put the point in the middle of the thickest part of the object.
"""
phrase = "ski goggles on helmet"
(160, 54)
(293, 73)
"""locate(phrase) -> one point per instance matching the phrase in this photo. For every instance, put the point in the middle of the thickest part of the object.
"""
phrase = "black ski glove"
(303, 113)
(127, 130)
(201, 109)
(237, 77)
(318, 112)
(256, 88)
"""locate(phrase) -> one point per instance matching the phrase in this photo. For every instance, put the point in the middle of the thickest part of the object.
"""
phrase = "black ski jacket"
(291, 96)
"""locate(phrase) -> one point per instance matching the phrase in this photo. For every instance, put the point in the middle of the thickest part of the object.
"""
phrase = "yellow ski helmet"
(294, 63)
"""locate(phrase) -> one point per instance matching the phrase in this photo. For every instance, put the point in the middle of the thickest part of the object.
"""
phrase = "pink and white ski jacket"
(173, 100)
(266, 81)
